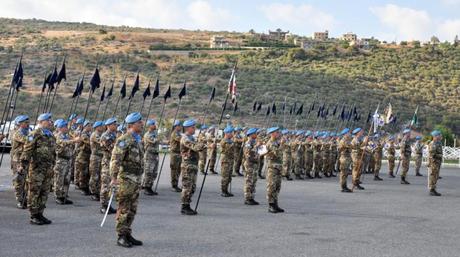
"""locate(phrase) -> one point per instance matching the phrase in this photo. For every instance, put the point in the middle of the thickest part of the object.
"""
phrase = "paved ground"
(387, 219)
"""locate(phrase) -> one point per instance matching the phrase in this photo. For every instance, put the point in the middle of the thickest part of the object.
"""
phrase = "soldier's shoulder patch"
(30, 138)
(122, 144)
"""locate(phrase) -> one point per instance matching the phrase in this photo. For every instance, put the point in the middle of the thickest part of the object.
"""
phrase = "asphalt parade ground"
(386, 219)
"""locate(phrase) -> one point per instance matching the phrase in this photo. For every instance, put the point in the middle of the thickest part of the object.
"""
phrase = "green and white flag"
(414, 120)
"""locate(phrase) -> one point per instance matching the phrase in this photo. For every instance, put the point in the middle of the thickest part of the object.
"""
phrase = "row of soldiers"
(105, 154)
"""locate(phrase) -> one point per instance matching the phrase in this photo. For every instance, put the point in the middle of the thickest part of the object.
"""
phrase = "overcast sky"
(385, 20)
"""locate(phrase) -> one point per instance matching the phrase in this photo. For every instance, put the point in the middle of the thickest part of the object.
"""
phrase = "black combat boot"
(390, 175)
(19, 205)
(176, 189)
(418, 174)
(404, 181)
(149, 191)
(45, 220)
(124, 242)
(67, 200)
(260, 175)
(186, 210)
(333, 175)
(377, 178)
(239, 174)
(317, 175)
(213, 172)
(288, 177)
(345, 189)
(85, 191)
(308, 175)
(278, 208)
(298, 177)
(358, 186)
(433, 192)
(225, 193)
(326, 174)
(60, 200)
(272, 208)
(251, 202)
(95, 197)
(133, 240)
(35, 220)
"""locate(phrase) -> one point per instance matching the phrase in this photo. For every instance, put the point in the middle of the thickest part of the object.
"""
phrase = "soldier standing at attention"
(357, 148)
(391, 150)
(250, 162)
(19, 173)
(274, 162)
(333, 154)
(212, 149)
(317, 155)
(227, 160)
(64, 152)
(189, 148)
(308, 154)
(75, 131)
(262, 139)
(83, 153)
(378, 155)
(287, 158)
(39, 156)
(406, 152)
(108, 139)
(126, 169)
(151, 148)
(175, 155)
(418, 149)
(344, 149)
(202, 154)
(238, 141)
(95, 160)
(434, 161)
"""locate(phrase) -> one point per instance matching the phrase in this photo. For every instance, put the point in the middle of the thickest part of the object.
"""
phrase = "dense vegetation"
(333, 74)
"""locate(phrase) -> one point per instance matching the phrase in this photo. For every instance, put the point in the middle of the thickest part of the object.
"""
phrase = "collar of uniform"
(136, 137)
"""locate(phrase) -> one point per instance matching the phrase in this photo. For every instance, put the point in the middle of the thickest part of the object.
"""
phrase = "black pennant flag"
(259, 107)
(75, 92)
(168, 93)
(18, 73)
(44, 85)
(62, 73)
(291, 110)
(213, 94)
(183, 91)
(235, 107)
(147, 91)
(254, 107)
(109, 94)
(123, 89)
(268, 110)
(95, 81)
(300, 110)
(135, 87)
(156, 91)
(103, 94)
(334, 111)
(274, 108)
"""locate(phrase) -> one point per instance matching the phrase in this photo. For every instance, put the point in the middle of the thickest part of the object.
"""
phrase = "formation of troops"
(110, 158)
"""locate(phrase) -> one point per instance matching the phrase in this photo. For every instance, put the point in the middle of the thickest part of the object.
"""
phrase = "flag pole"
(55, 90)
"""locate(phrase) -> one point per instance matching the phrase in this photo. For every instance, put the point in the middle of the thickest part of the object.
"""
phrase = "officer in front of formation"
(275, 166)
(19, 174)
(250, 164)
(434, 161)
(126, 169)
(39, 156)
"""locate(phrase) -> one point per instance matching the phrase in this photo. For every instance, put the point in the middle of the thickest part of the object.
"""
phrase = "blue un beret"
(133, 118)
(176, 123)
(308, 133)
(204, 126)
(72, 116)
(272, 129)
(251, 131)
(189, 123)
(356, 131)
(44, 116)
(61, 123)
(344, 131)
(151, 122)
(406, 131)
(418, 137)
(56, 122)
(110, 121)
(284, 131)
(86, 123)
(436, 133)
(98, 124)
(21, 118)
(80, 121)
(228, 129)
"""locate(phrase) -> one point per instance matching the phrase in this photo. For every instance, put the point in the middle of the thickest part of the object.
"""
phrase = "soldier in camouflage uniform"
(227, 160)
(391, 151)
(189, 148)
(238, 141)
(95, 160)
(175, 155)
(274, 162)
(344, 149)
(212, 149)
(75, 131)
(39, 156)
(151, 148)
(108, 139)
(317, 156)
(308, 154)
(287, 157)
(202, 154)
(298, 152)
(378, 156)
(418, 150)
(83, 154)
(19, 173)
(250, 162)
(357, 147)
(434, 161)
(72, 128)
(64, 151)
(333, 154)
(406, 152)
(262, 139)
(326, 153)
(126, 167)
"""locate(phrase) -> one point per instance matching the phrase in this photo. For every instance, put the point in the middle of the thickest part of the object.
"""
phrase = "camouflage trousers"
(391, 164)
(433, 174)
(332, 162)
(273, 182)
(95, 174)
(418, 163)
(356, 172)
(371, 166)
(150, 170)
(405, 161)
(72, 169)
(61, 177)
(237, 161)
(344, 169)
(127, 198)
(212, 153)
(308, 162)
(202, 155)
(261, 164)
(286, 165)
(365, 164)
(82, 172)
(325, 163)
(317, 163)
(250, 179)
(377, 165)
(19, 181)
(189, 174)
(226, 169)
(298, 168)
(39, 181)
(105, 181)
(175, 167)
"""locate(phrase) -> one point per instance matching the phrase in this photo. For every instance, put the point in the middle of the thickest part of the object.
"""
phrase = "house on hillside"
(350, 37)
(278, 35)
(321, 36)
(218, 42)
